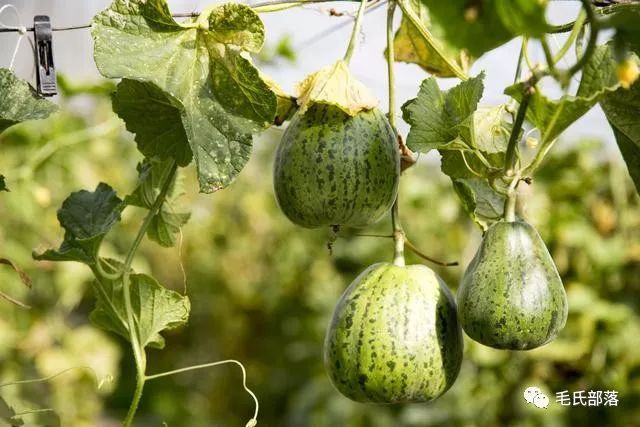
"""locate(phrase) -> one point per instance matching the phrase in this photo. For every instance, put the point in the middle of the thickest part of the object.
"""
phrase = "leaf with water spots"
(204, 64)
(20, 101)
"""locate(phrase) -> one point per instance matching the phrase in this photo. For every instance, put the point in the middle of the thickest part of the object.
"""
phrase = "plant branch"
(355, 33)
(137, 347)
(512, 147)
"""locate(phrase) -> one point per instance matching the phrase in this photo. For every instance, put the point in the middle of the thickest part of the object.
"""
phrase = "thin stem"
(397, 231)
(50, 377)
(103, 273)
(593, 40)
(408, 12)
(512, 147)
(137, 347)
(510, 202)
(548, 56)
(575, 30)
(546, 143)
(469, 168)
(391, 79)
(152, 212)
(516, 78)
(398, 236)
(209, 365)
(356, 31)
(422, 255)
(525, 52)
(138, 351)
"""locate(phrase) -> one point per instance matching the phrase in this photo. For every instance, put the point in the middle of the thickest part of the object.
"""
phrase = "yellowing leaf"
(335, 85)
(411, 46)
(286, 104)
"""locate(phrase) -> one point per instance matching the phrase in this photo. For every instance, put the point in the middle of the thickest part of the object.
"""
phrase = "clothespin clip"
(46, 71)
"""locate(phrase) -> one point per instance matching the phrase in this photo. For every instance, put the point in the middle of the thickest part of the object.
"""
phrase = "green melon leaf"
(486, 129)
(20, 101)
(86, 218)
(203, 64)
(480, 201)
(166, 224)
(155, 307)
(454, 166)
(552, 117)
(465, 23)
(155, 117)
(622, 109)
(3, 184)
(411, 46)
(435, 115)
(523, 17)
(451, 122)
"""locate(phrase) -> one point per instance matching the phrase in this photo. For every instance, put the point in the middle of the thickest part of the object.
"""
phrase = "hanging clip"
(46, 75)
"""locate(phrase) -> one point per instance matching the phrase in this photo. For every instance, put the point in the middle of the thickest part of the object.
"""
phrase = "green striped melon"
(511, 296)
(394, 336)
(334, 169)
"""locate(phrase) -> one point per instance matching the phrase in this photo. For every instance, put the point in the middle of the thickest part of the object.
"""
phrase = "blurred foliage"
(262, 292)
(281, 49)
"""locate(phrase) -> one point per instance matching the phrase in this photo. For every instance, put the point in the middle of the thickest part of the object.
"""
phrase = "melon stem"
(398, 237)
(356, 31)
(512, 197)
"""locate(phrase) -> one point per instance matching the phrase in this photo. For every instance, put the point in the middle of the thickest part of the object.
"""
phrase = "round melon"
(394, 336)
(334, 169)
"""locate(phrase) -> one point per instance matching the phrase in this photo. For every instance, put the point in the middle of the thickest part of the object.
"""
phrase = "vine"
(199, 98)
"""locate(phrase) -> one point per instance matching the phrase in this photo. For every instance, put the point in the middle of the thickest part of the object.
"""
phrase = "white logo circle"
(530, 393)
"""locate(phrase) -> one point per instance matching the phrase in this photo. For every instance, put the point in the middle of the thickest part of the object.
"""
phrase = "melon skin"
(334, 169)
(511, 296)
(394, 337)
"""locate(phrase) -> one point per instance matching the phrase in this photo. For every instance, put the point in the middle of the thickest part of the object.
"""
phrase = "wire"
(80, 27)
(313, 39)
(370, 8)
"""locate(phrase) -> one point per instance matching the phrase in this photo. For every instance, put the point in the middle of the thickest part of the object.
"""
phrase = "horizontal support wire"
(599, 3)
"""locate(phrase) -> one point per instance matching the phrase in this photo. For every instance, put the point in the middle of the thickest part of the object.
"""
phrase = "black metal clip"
(46, 70)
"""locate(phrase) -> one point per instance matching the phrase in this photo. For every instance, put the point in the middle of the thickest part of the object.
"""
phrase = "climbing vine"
(190, 92)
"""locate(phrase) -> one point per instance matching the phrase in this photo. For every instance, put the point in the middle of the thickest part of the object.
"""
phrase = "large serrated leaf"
(435, 115)
(155, 117)
(482, 203)
(203, 65)
(471, 140)
(20, 102)
(155, 308)
(86, 217)
(480, 26)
